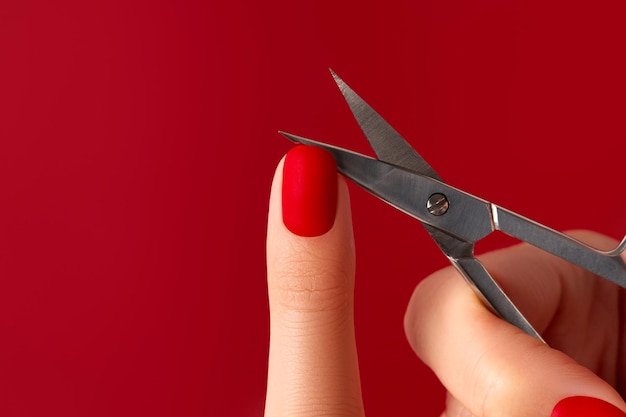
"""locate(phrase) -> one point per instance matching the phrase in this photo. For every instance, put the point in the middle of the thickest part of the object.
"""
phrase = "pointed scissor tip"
(291, 137)
(337, 79)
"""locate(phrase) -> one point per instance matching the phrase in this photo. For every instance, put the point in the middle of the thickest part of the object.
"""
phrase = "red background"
(137, 144)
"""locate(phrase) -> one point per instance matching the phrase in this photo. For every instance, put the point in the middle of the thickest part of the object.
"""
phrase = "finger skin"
(454, 408)
(488, 365)
(313, 367)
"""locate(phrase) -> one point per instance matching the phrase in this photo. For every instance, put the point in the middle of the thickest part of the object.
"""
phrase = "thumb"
(313, 368)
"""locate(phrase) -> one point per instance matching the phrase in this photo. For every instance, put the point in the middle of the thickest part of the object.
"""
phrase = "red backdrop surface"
(137, 145)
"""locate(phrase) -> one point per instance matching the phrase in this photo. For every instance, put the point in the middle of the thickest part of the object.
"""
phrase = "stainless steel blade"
(386, 142)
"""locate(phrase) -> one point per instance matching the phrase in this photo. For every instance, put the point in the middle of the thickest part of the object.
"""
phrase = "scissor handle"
(491, 294)
(609, 265)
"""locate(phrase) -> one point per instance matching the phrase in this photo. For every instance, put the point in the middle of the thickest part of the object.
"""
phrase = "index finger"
(312, 367)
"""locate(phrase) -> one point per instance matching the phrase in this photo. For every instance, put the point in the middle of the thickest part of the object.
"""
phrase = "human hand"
(491, 368)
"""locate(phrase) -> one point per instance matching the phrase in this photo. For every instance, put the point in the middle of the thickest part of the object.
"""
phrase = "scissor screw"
(437, 204)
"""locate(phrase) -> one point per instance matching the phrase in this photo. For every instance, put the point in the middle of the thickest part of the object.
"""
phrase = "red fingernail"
(309, 191)
(585, 407)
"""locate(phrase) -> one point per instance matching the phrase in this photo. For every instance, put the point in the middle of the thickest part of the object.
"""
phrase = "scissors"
(455, 219)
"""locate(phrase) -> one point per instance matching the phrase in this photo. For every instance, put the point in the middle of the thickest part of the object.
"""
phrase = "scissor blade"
(390, 147)
(409, 192)
(387, 143)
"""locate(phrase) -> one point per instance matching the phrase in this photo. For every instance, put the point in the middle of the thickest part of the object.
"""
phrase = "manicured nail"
(585, 407)
(309, 191)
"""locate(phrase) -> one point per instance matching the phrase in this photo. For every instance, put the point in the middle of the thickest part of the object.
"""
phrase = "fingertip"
(309, 210)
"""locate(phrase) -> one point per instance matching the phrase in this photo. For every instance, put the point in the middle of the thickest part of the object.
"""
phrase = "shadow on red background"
(137, 144)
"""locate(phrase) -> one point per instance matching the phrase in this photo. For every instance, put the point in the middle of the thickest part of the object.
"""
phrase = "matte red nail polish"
(309, 191)
(585, 407)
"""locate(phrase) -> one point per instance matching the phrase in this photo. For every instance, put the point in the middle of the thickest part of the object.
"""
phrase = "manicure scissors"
(455, 219)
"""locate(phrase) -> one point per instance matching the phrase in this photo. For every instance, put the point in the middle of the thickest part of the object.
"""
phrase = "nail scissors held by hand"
(455, 220)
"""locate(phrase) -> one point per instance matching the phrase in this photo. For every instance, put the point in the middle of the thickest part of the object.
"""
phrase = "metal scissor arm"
(461, 255)
(609, 265)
